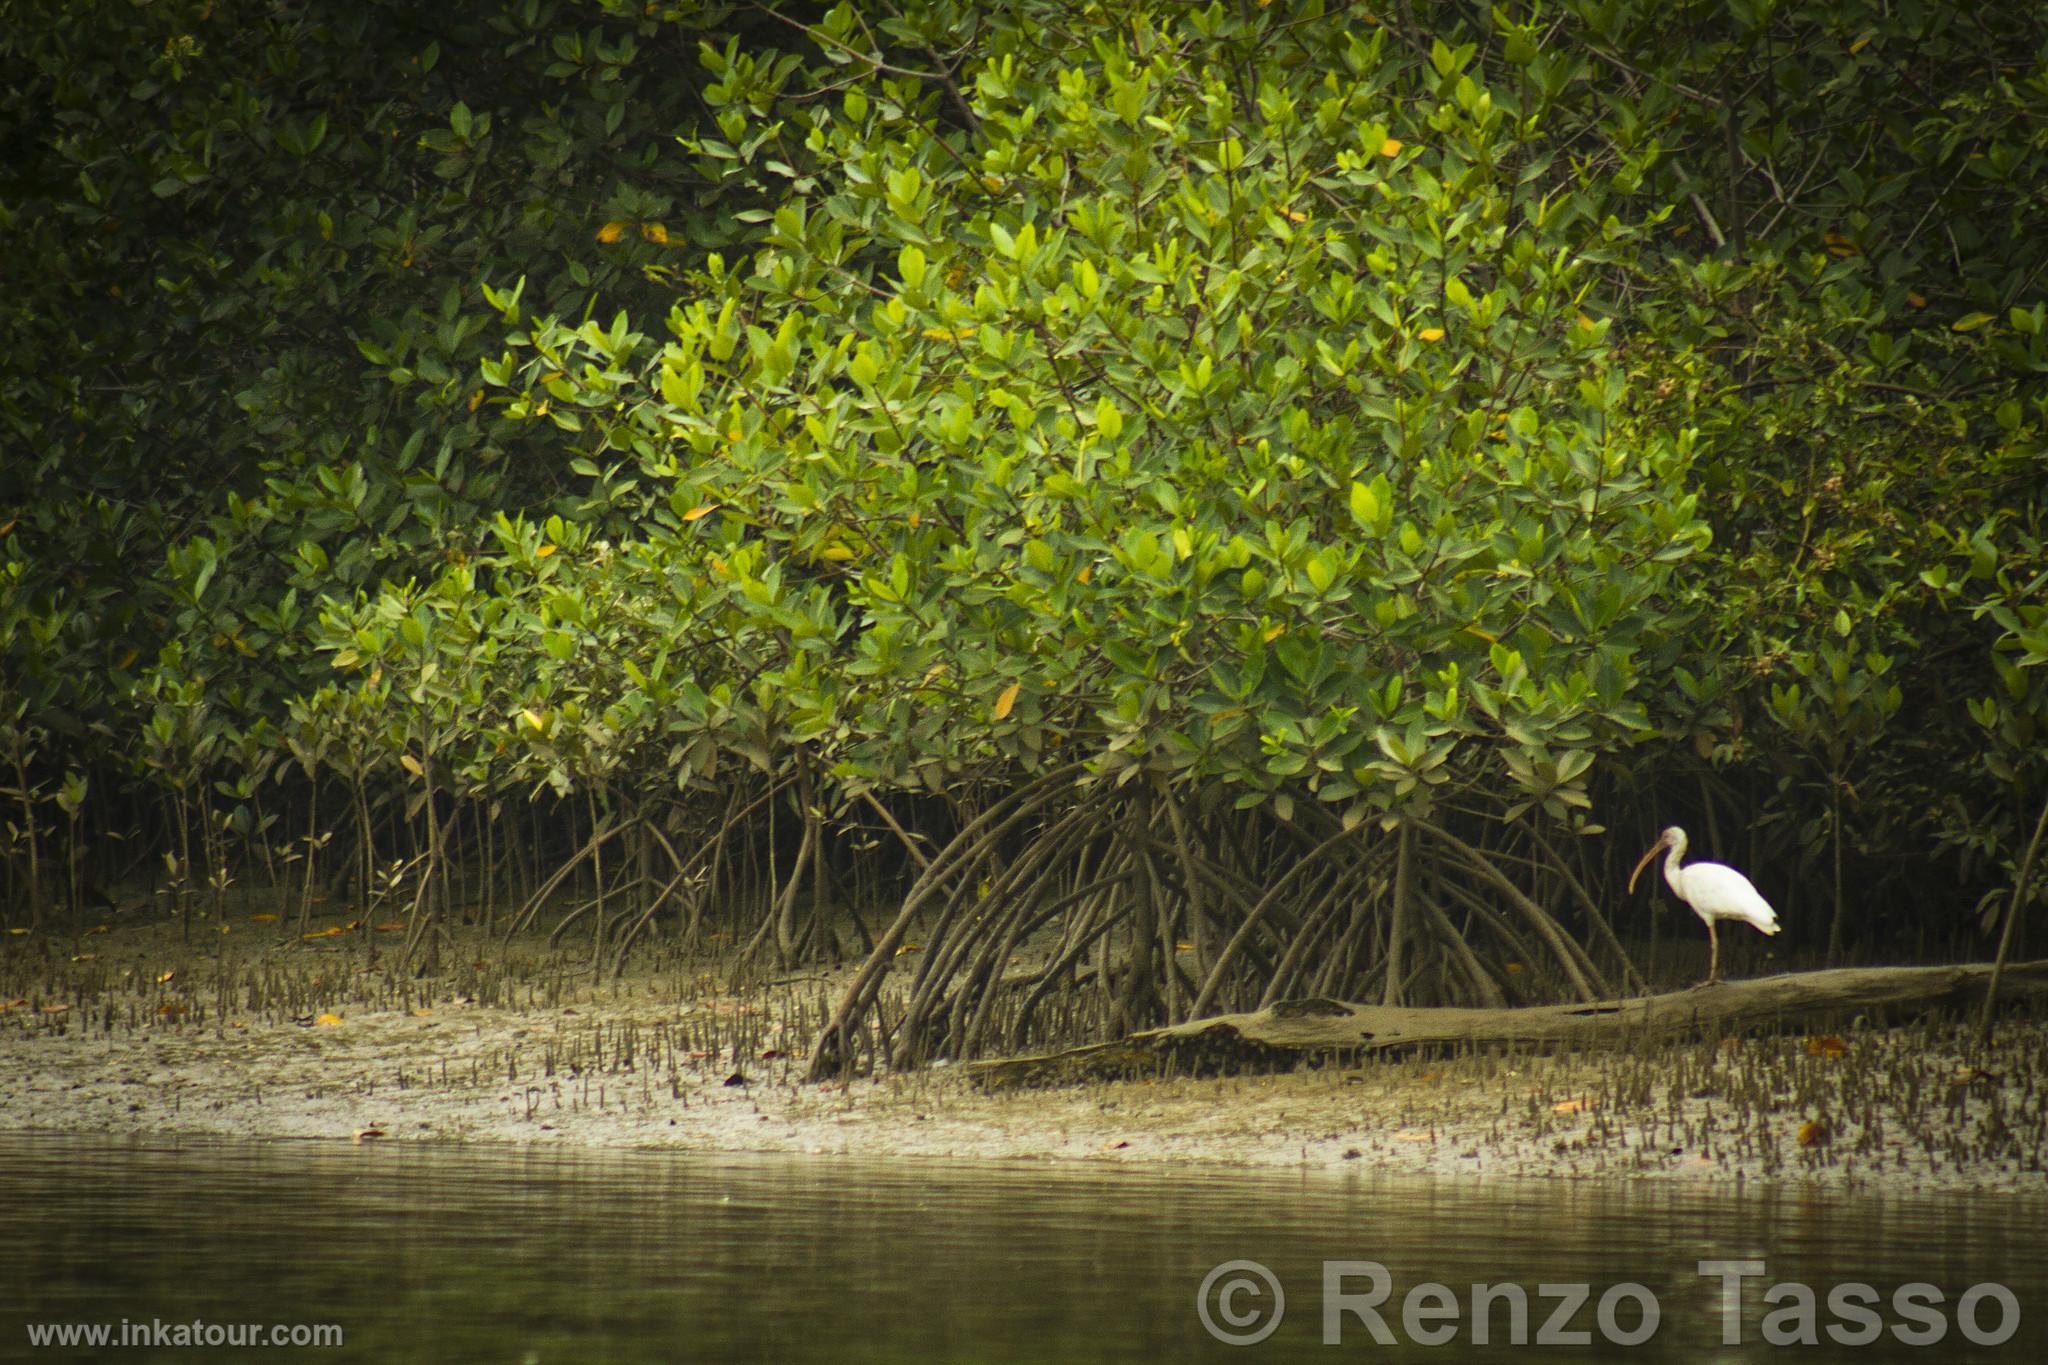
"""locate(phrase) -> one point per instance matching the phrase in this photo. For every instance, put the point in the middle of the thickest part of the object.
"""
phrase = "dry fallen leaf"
(1814, 1133)
(1575, 1106)
(326, 1021)
(1829, 1047)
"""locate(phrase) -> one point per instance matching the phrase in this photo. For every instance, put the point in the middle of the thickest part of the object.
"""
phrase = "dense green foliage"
(748, 466)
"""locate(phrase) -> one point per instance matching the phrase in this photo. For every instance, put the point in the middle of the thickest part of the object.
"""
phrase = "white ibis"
(1713, 890)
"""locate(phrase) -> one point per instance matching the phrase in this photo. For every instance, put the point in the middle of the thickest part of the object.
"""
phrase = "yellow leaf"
(410, 764)
(837, 551)
(327, 1021)
(611, 232)
(1970, 323)
(533, 719)
(263, 919)
(654, 232)
(1586, 324)
(475, 399)
(544, 551)
(1273, 632)
(1514, 968)
(1858, 45)
(1294, 217)
(1431, 334)
(700, 512)
(1087, 572)
(1840, 245)
(1007, 700)
(908, 948)
(1391, 147)
(1915, 300)
(166, 976)
(948, 333)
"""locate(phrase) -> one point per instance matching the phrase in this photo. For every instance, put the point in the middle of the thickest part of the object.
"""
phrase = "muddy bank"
(133, 1032)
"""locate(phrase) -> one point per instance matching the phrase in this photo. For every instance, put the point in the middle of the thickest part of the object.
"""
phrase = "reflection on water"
(460, 1254)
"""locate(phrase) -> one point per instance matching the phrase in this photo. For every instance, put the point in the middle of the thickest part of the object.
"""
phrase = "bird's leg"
(1713, 954)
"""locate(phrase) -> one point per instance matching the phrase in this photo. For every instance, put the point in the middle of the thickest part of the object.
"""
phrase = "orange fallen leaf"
(1411, 1137)
(1829, 1047)
(326, 933)
(327, 1021)
(55, 1009)
(171, 1009)
(1814, 1133)
(166, 976)
(392, 926)
(1575, 1106)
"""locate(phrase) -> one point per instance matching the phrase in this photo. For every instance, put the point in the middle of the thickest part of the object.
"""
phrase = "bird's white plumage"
(1715, 891)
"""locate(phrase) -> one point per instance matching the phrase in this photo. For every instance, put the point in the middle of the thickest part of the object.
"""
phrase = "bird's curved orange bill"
(1644, 862)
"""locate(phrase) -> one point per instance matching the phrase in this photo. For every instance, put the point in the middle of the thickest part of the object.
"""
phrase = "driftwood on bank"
(1297, 1026)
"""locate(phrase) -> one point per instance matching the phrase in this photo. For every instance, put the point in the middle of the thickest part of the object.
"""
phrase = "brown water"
(421, 1253)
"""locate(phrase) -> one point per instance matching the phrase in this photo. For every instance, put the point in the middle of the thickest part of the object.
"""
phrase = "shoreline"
(138, 1037)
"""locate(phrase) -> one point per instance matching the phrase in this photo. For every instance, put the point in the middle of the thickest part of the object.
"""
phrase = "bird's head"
(1672, 838)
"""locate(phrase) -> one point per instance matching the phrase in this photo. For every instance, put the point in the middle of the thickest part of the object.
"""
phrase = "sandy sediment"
(138, 1035)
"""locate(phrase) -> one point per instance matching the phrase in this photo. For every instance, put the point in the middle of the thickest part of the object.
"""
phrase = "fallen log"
(1315, 1025)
